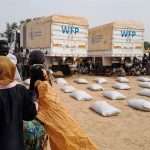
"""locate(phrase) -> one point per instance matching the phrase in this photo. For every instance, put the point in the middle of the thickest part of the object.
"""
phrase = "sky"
(97, 12)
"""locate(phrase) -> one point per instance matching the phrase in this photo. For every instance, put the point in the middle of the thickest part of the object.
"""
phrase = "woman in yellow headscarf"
(7, 71)
(64, 132)
(16, 105)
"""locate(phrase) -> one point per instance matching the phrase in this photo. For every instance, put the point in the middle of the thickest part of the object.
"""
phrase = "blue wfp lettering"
(69, 29)
(128, 33)
(65, 29)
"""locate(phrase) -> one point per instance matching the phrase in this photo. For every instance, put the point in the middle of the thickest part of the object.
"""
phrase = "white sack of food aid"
(105, 109)
(121, 86)
(122, 80)
(95, 87)
(81, 81)
(140, 104)
(144, 84)
(101, 80)
(81, 95)
(114, 95)
(145, 92)
(143, 79)
(61, 81)
(67, 88)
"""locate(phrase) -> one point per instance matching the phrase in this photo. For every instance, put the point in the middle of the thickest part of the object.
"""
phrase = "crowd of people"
(132, 67)
(34, 118)
(139, 66)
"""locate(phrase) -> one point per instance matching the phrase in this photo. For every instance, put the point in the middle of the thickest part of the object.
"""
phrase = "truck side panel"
(100, 40)
(23, 36)
(58, 35)
(117, 39)
(69, 40)
(38, 34)
(128, 42)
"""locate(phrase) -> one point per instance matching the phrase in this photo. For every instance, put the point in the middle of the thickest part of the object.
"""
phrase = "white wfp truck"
(113, 42)
(61, 38)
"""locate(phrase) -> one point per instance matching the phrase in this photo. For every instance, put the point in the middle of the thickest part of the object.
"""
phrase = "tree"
(14, 26)
(146, 45)
(9, 30)
(22, 22)
(28, 20)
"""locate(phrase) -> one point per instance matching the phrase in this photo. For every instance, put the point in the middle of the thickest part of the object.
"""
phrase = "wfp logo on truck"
(69, 29)
(128, 34)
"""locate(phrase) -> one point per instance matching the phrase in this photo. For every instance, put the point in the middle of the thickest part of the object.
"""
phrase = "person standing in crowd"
(144, 60)
(19, 56)
(35, 137)
(16, 105)
(4, 51)
(37, 57)
(64, 132)
(26, 65)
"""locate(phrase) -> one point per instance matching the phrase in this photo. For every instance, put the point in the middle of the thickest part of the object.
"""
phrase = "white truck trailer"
(115, 41)
(58, 36)
(61, 38)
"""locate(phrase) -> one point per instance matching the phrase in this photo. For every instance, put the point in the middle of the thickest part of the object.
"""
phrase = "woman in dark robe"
(16, 105)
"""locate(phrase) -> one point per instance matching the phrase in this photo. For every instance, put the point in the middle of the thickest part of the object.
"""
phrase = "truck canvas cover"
(60, 35)
(117, 39)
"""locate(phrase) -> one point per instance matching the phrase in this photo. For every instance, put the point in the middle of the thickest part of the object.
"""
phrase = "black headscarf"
(36, 73)
(4, 48)
(36, 57)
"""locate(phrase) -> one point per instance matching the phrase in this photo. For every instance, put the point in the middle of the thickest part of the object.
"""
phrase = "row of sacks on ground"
(122, 84)
(103, 107)
(62, 81)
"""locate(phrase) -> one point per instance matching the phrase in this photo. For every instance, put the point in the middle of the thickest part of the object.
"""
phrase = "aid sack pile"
(95, 87)
(61, 81)
(122, 80)
(144, 84)
(101, 80)
(121, 86)
(105, 109)
(114, 95)
(81, 95)
(67, 88)
(81, 81)
(145, 92)
(140, 104)
(143, 79)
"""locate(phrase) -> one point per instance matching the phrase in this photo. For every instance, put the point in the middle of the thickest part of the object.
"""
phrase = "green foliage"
(28, 20)
(146, 45)
(14, 26)
(22, 22)
(9, 30)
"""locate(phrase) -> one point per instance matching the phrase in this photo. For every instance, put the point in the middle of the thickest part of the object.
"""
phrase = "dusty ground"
(130, 130)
